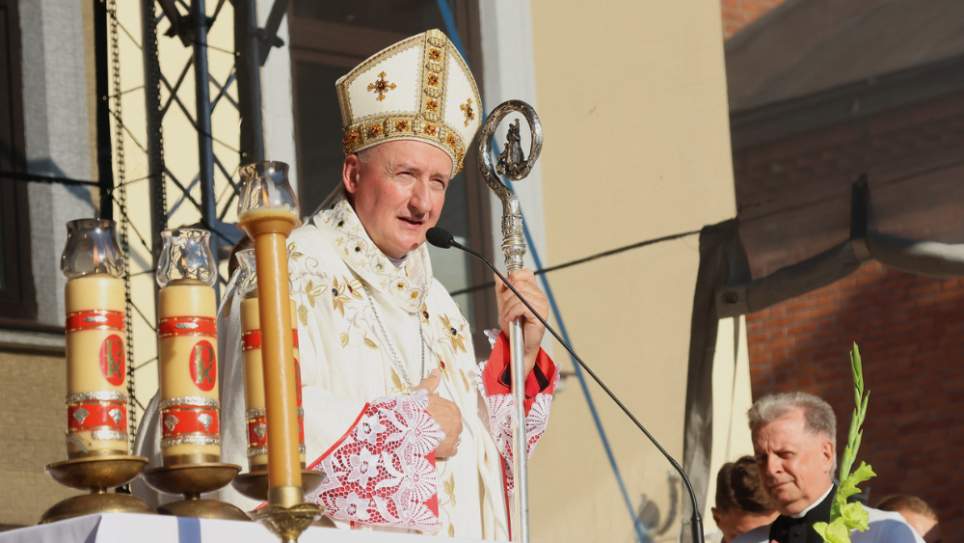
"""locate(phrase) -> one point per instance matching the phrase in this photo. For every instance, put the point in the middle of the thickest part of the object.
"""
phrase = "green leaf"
(862, 474)
(821, 529)
(855, 517)
(834, 532)
(847, 489)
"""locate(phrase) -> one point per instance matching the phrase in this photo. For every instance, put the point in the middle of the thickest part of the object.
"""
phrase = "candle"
(255, 413)
(187, 349)
(95, 341)
(267, 213)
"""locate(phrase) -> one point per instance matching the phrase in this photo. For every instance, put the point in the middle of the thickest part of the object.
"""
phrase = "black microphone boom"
(443, 239)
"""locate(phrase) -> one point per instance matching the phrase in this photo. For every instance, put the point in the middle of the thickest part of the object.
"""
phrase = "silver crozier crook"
(513, 164)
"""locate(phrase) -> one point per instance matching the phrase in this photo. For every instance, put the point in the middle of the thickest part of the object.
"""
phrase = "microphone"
(443, 239)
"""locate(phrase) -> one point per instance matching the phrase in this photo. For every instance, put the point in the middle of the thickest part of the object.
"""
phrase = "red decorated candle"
(255, 414)
(95, 340)
(187, 350)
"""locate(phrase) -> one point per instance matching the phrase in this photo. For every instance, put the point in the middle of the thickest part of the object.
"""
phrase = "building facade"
(633, 103)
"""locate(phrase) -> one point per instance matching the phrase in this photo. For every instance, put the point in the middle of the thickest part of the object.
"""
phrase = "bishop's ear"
(350, 171)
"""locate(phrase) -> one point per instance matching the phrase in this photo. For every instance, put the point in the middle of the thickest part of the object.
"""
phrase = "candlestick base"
(191, 480)
(254, 484)
(96, 474)
(288, 522)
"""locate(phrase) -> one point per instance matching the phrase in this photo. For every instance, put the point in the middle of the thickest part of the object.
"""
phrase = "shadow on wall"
(653, 519)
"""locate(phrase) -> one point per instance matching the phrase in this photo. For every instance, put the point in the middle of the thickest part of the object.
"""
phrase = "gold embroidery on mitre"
(433, 76)
(384, 127)
(467, 111)
(381, 86)
(428, 121)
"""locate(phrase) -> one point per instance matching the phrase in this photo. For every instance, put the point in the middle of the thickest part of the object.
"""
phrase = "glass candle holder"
(91, 248)
(186, 255)
(266, 187)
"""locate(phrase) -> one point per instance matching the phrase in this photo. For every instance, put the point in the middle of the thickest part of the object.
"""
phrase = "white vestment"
(885, 527)
(368, 330)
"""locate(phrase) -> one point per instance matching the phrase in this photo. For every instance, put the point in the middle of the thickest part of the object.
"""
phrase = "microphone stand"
(443, 239)
(513, 164)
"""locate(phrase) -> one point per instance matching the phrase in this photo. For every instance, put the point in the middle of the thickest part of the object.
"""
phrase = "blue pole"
(642, 535)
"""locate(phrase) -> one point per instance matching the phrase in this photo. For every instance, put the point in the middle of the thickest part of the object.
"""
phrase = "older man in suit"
(794, 440)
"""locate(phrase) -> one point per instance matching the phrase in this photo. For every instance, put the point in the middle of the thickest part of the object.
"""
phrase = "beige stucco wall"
(632, 99)
(33, 423)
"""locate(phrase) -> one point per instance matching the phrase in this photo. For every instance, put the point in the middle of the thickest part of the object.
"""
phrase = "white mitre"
(417, 89)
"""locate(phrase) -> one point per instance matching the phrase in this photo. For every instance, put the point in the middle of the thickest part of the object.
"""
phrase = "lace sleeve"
(497, 391)
(382, 471)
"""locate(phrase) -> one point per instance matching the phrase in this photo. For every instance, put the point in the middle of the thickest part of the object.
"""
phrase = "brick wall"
(739, 13)
(911, 334)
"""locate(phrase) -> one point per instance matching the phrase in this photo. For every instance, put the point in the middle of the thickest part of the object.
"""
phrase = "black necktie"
(800, 530)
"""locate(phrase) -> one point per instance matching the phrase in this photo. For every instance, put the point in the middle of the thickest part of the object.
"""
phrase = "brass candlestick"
(191, 480)
(268, 212)
(254, 484)
(95, 329)
(190, 414)
(96, 474)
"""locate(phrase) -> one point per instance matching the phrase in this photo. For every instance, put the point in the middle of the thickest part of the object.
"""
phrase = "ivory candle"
(188, 368)
(96, 366)
(270, 228)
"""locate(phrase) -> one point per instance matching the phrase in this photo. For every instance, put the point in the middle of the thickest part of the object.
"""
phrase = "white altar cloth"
(128, 527)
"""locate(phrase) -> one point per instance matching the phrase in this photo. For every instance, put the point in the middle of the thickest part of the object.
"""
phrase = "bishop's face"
(397, 189)
(795, 463)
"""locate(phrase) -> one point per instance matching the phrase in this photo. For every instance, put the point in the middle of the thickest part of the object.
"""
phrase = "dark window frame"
(347, 45)
(18, 304)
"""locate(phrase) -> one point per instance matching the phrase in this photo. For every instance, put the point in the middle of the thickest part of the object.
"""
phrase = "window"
(330, 38)
(17, 300)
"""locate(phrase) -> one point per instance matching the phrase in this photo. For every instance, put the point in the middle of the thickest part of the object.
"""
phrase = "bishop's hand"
(445, 413)
(511, 308)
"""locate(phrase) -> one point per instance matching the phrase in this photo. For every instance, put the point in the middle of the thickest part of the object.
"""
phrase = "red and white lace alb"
(382, 472)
